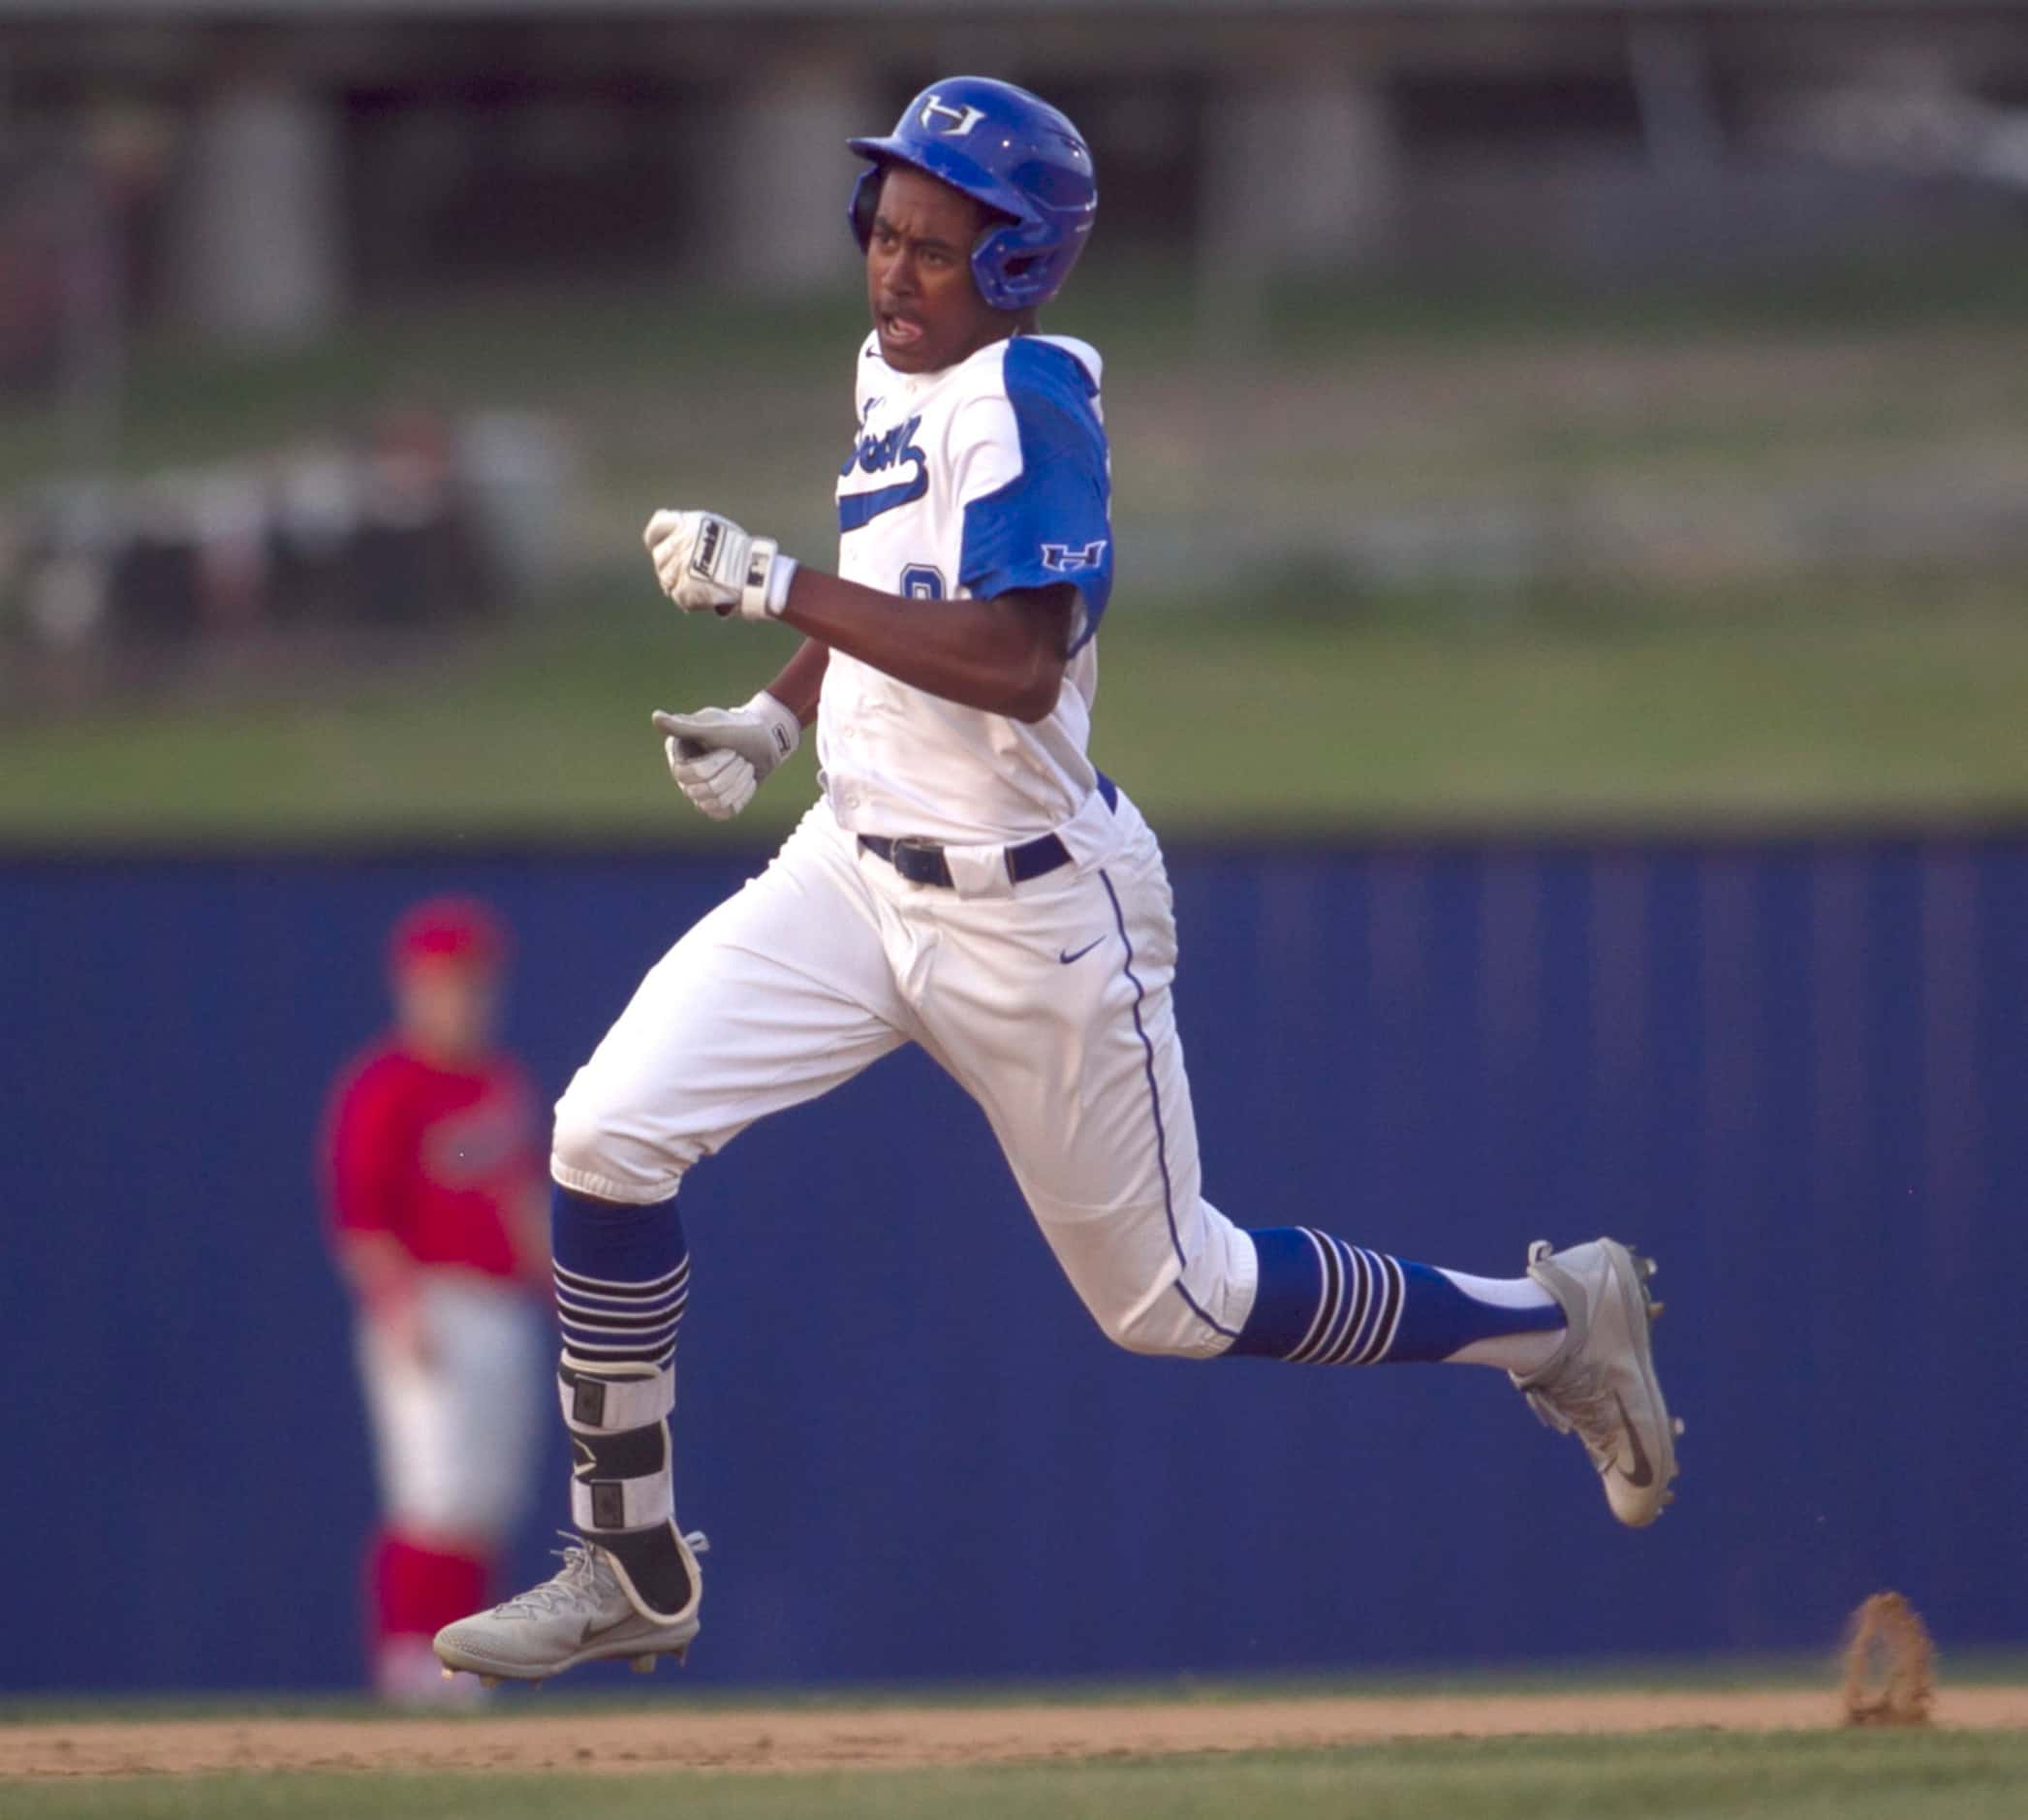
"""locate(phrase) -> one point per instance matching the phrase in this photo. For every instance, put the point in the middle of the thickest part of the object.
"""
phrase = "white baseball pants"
(1048, 1002)
(454, 1437)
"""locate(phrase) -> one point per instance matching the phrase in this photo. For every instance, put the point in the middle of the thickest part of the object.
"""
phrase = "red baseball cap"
(448, 928)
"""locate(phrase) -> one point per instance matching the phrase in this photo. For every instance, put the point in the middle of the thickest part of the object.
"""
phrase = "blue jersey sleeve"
(1054, 521)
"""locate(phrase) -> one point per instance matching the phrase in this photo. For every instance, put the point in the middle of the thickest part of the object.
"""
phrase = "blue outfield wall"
(1796, 1071)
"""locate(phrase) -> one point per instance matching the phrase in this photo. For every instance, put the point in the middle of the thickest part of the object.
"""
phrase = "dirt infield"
(788, 1738)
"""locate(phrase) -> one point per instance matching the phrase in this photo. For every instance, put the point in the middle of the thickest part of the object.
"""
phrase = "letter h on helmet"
(1011, 150)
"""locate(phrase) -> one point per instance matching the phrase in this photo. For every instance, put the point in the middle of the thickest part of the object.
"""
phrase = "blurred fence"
(1797, 1070)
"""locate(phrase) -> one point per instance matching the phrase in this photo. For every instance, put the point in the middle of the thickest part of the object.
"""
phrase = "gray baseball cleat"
(580, 1613)
(1601, 1383)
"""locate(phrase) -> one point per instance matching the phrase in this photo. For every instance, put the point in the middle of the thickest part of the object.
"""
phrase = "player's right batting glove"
(704, 560)
(719, 756)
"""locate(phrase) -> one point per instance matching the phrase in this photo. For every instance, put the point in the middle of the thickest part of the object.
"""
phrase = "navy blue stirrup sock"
(622, 1279)
(1323, 1302)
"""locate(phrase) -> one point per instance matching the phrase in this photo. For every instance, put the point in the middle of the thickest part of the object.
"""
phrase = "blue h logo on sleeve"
(1062, 559)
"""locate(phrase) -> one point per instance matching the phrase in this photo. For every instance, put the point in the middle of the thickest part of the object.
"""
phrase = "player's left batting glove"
(719, 756)
(706, 562)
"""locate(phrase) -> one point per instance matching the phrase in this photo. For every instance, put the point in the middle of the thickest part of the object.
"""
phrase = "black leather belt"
(921, 862)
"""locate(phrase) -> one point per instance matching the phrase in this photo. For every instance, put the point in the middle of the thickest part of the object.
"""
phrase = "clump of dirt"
(1890, 1665)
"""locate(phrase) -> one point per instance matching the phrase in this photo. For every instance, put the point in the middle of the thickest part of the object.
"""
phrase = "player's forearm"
(998, 654)
(801, 680)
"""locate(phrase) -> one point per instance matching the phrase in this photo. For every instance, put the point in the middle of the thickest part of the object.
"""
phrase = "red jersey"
(437, 1157)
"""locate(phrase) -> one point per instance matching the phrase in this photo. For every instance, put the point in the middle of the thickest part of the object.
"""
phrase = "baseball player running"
(969, 882)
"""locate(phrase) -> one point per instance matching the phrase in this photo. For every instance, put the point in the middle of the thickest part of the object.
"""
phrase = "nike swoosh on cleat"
(1066, 957)
(1644, 1474)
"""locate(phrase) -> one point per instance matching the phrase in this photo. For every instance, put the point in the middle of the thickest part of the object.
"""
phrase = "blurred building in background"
(264, 177)
(257, 177)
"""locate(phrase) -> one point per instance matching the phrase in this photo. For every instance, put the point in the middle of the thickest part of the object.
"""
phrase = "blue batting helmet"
(1012, 151)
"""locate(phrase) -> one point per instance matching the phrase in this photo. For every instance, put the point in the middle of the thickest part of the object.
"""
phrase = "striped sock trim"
(614, 1323)
(1359, 1310)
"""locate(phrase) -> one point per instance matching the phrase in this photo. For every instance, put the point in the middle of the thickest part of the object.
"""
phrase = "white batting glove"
(719, 756)
(705, 561)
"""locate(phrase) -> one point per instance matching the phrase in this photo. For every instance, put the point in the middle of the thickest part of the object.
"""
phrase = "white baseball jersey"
(988, 476)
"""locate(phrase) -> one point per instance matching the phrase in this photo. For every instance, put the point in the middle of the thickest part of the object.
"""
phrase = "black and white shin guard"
(623, 1497)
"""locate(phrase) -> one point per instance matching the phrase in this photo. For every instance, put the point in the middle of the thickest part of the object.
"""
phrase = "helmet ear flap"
(993, 255)
(1011, 264)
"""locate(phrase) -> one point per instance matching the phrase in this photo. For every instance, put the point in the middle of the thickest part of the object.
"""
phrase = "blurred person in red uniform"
(435, 1170)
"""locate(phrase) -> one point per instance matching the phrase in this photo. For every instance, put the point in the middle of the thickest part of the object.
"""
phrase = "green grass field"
(1705, 1737)
(1829, 1775)
(1215, 726)
(1324, 699)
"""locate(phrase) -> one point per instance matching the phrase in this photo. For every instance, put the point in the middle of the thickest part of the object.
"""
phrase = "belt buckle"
(920, 861)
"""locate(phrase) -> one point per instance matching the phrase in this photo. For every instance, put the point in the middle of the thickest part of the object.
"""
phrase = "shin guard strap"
(609, 1399)
(621, 1481)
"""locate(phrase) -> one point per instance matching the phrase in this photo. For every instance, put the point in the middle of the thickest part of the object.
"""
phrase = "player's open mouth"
(901, 332)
